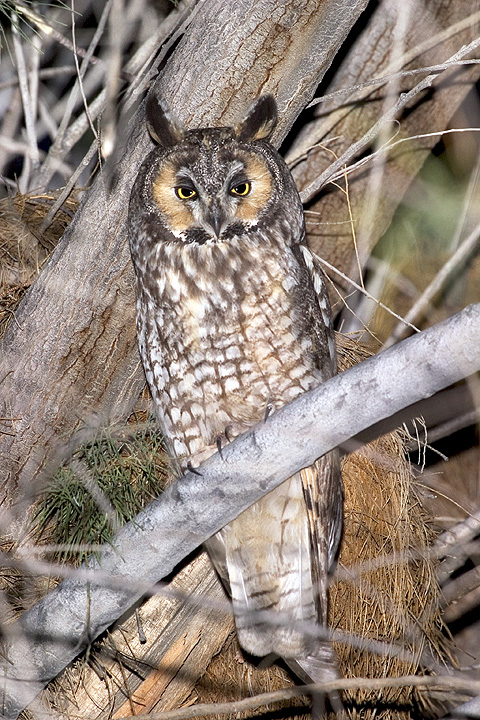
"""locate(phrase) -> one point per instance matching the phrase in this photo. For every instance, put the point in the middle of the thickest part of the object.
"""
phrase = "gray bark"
(54, 631)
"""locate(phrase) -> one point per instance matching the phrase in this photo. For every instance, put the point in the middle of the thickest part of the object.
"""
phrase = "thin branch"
(28, 110)
(81, 71)
(375, 82)
(390, 144)
(403, 100)
(8, 128)
(457, 537)
(72, 181)
(191, 510)
(459, 257)
(116, 42)
(439, 682)
(43, 74)
(365, 292)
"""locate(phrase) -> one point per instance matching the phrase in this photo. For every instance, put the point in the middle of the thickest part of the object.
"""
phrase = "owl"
(234, 321)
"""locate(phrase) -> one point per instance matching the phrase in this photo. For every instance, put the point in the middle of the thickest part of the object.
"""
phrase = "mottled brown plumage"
(233, 322)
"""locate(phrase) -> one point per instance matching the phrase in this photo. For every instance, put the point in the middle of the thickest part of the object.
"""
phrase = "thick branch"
(54, 631)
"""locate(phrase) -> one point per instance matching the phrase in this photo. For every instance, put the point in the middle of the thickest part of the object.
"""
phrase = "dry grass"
(386, 589)
(24, 246)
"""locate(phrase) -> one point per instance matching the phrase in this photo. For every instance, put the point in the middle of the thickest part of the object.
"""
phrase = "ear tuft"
(163, 129)
(260, 120)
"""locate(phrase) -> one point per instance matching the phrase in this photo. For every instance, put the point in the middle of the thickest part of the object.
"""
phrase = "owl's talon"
(218, 441)
(268, 411)
(190, 468)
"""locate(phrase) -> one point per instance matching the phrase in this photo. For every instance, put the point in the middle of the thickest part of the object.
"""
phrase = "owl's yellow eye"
(241, 189)
(185, 193)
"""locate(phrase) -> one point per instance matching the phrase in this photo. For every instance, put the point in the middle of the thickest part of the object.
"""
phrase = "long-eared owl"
(233, 322)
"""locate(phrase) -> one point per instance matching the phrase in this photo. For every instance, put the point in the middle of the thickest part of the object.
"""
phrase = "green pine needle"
(125, 474)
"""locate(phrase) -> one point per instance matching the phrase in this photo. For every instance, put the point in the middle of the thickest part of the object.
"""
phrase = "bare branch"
(403, 100)
(442, 682)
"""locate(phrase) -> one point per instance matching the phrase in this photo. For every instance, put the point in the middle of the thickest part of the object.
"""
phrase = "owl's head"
(210, 185)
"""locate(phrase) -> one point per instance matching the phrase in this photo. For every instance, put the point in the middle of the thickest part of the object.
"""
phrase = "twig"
(459, 257)
(375, 177)
(69, 186)
(9, 125)
(390, 144)
(28, 110)
(375, 82)
(326, 176)
(43, 74)
(365, 292)
(81, 71)
(459, 588)
(458, 536)
(439, 682)
(452, 426)
(115, 34)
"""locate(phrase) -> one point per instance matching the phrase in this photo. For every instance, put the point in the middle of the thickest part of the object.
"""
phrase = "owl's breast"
(227, 347)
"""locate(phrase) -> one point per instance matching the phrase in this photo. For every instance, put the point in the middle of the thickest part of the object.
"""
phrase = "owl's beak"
(215, 218)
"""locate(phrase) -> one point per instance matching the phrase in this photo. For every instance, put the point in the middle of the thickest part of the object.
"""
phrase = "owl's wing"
(323, 327)
(322, 490)
(322, 484)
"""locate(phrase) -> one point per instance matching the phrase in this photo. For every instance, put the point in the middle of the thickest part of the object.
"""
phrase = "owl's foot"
(230, 433)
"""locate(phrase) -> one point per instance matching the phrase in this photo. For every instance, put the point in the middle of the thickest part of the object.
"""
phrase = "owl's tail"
(266, 557)
(275, 559)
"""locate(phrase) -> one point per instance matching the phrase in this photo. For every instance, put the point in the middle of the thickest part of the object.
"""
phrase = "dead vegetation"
(386, 601)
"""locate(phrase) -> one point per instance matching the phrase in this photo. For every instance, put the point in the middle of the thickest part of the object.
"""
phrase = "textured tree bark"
(69, 362)
(283, 48)
(55, 630)
(183, 627)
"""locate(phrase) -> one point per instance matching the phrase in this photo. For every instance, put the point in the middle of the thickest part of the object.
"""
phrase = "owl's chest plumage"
(226, 339)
